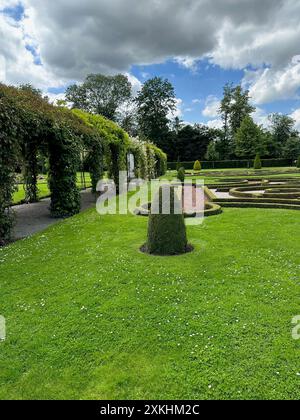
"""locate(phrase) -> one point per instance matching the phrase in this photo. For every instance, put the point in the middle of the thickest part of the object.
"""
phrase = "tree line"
(149, 115)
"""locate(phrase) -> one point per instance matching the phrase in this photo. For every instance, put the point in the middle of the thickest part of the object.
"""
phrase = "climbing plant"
(116, 143)
(8, 155)
(31, 127)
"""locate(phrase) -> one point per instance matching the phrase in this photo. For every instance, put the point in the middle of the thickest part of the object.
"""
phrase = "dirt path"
(33, 218)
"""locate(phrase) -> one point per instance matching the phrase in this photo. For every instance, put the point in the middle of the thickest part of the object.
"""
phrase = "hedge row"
(230, 164)
(262, 205)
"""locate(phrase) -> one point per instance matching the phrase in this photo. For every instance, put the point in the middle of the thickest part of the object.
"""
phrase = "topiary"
(178, 165)
(298, 162)
(166, 232)
(257, 162)
(197, 166)
(181, 175)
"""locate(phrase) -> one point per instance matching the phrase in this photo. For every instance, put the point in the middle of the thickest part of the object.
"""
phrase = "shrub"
(197, 166)
(257, 162)
(166, 232)
(298, 162)
(178, 165)
(181, 175)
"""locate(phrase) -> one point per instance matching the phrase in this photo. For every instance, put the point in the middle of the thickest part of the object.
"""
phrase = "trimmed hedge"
(261, 205)
(166, 232)
(231, 164)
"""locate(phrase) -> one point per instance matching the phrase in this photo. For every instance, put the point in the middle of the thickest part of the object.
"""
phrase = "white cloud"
(271, 84)
(75, 38)
(296, 116)
(178, 111)
(17, 62)
(135, 82)
(216, 123)
(260, 117)
(212, 106)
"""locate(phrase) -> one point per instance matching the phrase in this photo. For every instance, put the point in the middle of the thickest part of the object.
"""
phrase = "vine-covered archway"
(30, 126)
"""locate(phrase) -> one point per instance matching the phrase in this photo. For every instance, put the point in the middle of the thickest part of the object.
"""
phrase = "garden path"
(34, 218)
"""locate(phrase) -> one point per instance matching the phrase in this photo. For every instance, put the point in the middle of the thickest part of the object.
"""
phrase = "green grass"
(113, 323)
(19, 195)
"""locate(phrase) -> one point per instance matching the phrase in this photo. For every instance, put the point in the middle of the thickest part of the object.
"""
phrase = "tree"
(126, 118)
(235, 106)
(193, 141)
(100, 94)
(249, 139)
(177, 125)
(225, 108)
(282, 128)
(212, 153)
(155, 102)
(291, 149)
(240, 108)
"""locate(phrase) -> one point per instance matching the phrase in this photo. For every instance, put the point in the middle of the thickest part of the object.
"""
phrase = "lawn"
(19, 195)
(113, 323)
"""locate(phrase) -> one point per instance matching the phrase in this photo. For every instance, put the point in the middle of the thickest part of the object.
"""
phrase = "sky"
(199, 45)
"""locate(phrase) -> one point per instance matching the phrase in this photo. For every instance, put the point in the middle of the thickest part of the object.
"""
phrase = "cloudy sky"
(198, 44)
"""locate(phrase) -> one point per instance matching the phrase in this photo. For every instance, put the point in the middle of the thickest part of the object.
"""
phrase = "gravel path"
(33, 218)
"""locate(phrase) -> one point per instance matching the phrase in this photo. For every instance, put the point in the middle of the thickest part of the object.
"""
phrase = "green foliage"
(257, 162)
(138, 149)
(249, 139)
(291, 149)
(181, 175)
(282, 129)
(235, 107)
(160, 161)
(64, 160)
(150, 161)
(197, 166)
(150, 154)
(212, 153)
(8, 153)
(154, 102)
(100, 94)
(115, 142)
(30, 128)
(191, 141)
(298, 162)
(166, 232)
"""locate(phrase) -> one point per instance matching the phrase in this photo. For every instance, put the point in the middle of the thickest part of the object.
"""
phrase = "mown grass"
(112, 323)
(19, 195)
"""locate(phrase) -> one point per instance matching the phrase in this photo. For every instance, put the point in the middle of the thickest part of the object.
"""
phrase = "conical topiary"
(257, 162)
(166, 232)
(181, 175)
(197, 166)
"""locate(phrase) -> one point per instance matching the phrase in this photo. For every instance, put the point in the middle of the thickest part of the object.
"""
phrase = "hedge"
(230, 164)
